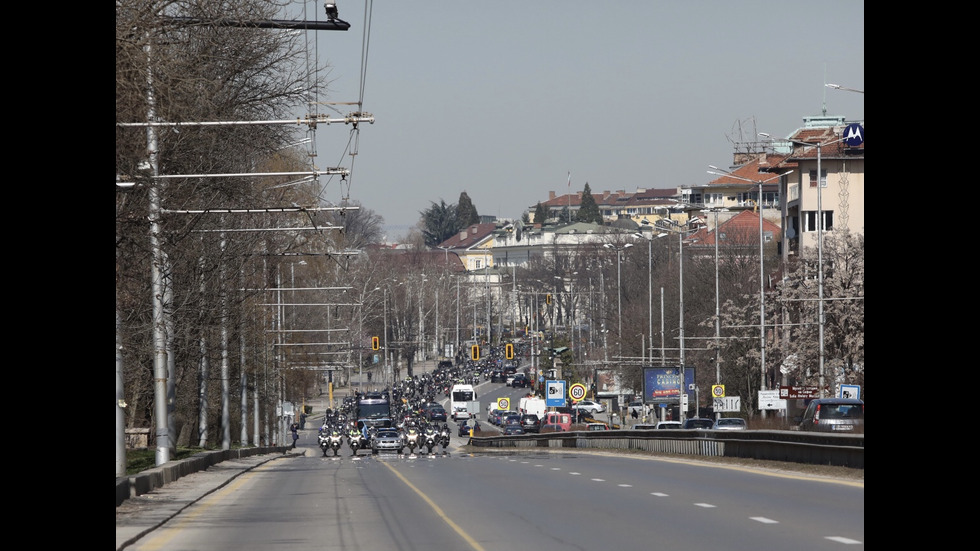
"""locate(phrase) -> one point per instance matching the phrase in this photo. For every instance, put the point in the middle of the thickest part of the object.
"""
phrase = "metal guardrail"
(843, 450)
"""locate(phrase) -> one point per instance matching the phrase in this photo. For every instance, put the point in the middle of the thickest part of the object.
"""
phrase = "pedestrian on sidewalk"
(294, 427)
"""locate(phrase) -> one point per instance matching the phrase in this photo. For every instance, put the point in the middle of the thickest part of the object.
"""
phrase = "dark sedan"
(436, 413)
(529, 422)
(521, 381)
(497, 376)
(513, 429)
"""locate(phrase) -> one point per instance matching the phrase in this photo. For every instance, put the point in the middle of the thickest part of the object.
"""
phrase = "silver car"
(387, 439)
(730, 423)
(833, 415)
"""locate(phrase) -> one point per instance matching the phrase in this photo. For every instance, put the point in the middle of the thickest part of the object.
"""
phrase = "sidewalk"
(141, 514)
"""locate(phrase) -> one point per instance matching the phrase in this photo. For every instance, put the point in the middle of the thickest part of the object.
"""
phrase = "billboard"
(662, 384)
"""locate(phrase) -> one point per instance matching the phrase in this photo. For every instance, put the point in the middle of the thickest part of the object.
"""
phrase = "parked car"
(596, 426)
(833, 415)
(530, 422)
(589, 406)
(520, 380)
(645, 426)
(513, 429)
(669, 425)
(699, 423)
(387, 439)
(730, 423)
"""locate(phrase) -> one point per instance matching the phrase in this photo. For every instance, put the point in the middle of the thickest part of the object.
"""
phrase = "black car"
(520, 380)
(699, 423)
(497, 376)
(530, 422)
(436, 413)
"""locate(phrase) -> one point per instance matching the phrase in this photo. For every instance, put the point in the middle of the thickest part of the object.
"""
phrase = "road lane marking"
(844, 540)
(473, 543)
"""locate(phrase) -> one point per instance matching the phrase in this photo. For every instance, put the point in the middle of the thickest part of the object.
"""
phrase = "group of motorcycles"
(426, 437)
(338, 430)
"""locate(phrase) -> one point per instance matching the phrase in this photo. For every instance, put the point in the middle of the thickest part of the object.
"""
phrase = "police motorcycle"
(355, 439)
(430, 438)
(412, 436)
(331, 439)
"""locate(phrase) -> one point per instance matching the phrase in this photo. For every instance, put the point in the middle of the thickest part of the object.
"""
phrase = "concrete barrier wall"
(843, 450)
(150, 479)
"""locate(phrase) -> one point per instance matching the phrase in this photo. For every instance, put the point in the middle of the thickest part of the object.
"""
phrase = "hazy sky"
(502, 99)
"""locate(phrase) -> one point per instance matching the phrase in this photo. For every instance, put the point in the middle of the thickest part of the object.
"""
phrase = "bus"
(462, 402)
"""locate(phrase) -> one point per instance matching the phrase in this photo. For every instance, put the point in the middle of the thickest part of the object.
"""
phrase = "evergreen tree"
(541, 213)
(564, 217)
(525, 218)
(589, 210)
(466, 214)
(439, 223)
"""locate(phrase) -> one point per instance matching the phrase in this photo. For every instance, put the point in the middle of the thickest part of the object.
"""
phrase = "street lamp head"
(628, 245)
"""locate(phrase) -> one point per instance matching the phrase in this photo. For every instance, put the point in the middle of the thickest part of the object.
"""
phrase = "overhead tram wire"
(354, 138)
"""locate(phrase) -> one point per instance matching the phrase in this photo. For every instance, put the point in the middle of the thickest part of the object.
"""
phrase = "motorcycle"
(331, 440)
(444, 437)
(355, 440)
(412, 439)
(430, 439)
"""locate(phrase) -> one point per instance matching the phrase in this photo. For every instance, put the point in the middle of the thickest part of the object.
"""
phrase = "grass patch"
(142, 459)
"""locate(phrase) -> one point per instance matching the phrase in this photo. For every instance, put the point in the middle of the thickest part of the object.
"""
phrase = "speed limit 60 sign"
(577, 392)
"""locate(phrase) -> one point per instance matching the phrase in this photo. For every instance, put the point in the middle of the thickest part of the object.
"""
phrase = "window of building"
(813, 178)
(810, 220)
(714, 199)
(477, 264)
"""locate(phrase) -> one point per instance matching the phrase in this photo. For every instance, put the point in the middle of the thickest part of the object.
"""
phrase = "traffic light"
(509, 351)
(475, 352)
(547, 298)
(374, 343)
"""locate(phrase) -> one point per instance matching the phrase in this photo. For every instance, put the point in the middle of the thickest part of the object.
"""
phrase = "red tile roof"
(741, 229)
(474, 234)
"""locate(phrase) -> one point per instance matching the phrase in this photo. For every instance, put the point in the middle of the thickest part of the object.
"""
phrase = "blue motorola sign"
(854, 135)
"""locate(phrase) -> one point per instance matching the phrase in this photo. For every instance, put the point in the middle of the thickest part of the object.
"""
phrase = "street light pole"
(717, 305)
(762, 271)
(680, 287)
(619, 292)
